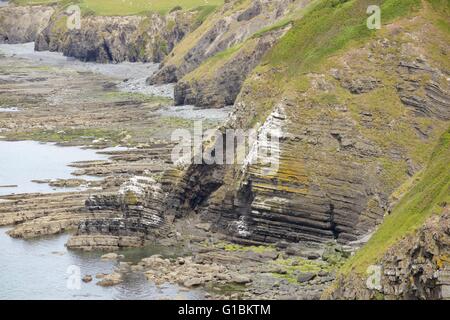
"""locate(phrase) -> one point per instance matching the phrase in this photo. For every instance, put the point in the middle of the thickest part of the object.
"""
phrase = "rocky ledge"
(417, 267)
(116, 39)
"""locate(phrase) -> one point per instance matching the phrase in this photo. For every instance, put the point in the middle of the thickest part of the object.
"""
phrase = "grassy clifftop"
(129, 7)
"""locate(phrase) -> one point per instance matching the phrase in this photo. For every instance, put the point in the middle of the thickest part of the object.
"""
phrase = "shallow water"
(24, 161)
(44, 269)
(9, 109)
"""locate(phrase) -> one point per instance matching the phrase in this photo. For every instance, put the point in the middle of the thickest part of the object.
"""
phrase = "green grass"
(425, 198)
(326, 28)
(133, 7)
(295, 265)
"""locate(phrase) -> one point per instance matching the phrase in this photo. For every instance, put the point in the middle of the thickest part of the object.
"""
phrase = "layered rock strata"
(218, 83)
(230, 25)
(417, 267)
(347, 142)
(116, 39)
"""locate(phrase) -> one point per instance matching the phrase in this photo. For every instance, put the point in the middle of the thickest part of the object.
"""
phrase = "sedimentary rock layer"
(232, 24)
(218, 83)
(350, 135)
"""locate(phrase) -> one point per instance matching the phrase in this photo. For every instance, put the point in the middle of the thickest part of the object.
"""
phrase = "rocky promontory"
(116, 39)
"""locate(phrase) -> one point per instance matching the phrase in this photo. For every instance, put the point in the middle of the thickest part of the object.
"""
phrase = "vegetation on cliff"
(135, 7)
(429, 193)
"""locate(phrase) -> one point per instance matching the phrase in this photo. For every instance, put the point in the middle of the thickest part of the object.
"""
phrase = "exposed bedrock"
(23, 24)
(417, 267)
(230, 25)
(137, 217)
(116, 39)
(218, 86)
(339, 164)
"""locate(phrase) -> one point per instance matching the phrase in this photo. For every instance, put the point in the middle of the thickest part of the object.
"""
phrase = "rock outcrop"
(217, 82)
(349, 136)
(20, 24)
(230, 25)
(417, 267)
(138, 217)
(116, 39)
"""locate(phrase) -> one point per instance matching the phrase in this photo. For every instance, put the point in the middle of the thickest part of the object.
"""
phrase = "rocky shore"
(357, 124)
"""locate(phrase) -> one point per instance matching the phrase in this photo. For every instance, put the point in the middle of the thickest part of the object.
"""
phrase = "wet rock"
(305, 277)
(110, 256)
(240, 279)
(110, 280)
(193, 282)
(87, 278)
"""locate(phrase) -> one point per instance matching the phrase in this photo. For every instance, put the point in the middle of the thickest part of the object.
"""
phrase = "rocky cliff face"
(417, 267)
(137, 217)
(23, 24)
(217, 83)
(232, 24)
(116, 39)
(100, 38)
(352, 132)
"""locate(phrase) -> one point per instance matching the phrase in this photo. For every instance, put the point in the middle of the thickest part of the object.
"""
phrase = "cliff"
(359, 111)
(412, 246)
(142, 37)
(230, 25)
(115, 39)
(23, 24)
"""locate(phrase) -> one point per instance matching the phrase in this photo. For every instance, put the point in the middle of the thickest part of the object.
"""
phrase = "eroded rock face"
(223, 86)
(230, 26)
(417, 267)
(138, 217)
(346, 144)
(116, 39)
(23, 24)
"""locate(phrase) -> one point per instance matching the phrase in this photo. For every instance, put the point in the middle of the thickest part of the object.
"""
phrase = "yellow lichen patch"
(130, 198)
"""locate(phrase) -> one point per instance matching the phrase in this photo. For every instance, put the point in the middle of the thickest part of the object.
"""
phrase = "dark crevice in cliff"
(333, 225)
